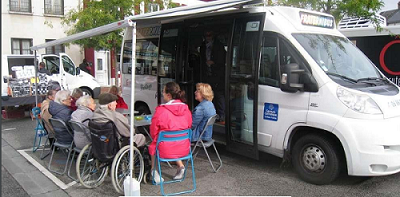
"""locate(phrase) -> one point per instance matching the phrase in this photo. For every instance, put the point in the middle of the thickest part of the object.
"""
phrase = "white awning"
(179, 11)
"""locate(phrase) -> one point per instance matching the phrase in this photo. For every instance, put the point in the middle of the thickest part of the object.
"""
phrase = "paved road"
(238, 176)
(9, 186)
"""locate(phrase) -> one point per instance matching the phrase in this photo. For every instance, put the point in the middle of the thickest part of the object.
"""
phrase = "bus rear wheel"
(316, 160)
(142, 109)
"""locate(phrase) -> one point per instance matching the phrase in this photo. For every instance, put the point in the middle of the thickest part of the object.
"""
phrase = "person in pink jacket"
(174, 115)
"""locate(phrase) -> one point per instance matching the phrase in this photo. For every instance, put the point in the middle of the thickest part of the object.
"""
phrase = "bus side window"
(269, 72)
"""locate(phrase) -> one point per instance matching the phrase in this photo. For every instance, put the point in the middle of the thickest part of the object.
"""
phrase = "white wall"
(32, 26)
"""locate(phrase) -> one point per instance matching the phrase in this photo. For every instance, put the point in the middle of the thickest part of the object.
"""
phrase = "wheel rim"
(122, 167)
(314, 158)
(91, 172)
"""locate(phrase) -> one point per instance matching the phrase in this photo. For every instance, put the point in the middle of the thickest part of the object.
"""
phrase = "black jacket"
(61, 112)
(83, 67)
(216, 77)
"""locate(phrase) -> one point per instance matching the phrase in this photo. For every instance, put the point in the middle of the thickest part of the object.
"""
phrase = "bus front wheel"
(87, 91)
(316, 160)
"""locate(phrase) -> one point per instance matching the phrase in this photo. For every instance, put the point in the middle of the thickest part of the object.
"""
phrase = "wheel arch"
(138, 103)
(301, 131)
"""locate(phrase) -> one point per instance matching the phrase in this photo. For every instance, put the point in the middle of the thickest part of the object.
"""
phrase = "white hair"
(61, 95)
(77, 92)
(84, 101)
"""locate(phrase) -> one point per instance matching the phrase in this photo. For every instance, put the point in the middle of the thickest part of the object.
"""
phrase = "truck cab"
(63, 70)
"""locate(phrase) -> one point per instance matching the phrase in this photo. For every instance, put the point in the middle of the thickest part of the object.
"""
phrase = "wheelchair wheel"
(90, 171)
(120, 167)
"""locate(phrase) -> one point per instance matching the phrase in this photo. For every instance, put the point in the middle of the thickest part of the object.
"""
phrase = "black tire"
(316, 160)
(142, 109)
(87, 91)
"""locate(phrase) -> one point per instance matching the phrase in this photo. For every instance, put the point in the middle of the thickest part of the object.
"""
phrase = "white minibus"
(293, 85)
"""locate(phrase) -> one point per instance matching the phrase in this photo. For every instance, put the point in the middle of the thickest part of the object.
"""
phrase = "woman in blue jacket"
(59, 109)
(203, 111)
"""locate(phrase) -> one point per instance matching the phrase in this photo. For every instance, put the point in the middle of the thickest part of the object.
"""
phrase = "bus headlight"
(358, 102)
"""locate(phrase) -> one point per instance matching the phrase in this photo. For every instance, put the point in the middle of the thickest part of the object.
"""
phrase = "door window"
(167, 58)
(69, 66)
(276, 53)
(269, 67)
(52, 64)
(242, 78)
(99, 64)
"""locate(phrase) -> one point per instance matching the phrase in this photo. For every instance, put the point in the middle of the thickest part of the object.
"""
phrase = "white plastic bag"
(135, 190)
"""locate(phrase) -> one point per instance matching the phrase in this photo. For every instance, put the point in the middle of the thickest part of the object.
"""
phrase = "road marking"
(9, 129)
(47, 173)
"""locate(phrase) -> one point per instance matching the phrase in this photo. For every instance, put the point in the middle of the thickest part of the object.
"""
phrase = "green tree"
(340, 8)
(98, 13)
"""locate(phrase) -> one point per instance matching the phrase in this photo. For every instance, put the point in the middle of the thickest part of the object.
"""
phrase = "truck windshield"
(338, 57)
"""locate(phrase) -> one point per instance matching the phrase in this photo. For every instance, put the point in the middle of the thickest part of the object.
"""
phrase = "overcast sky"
(389, 4)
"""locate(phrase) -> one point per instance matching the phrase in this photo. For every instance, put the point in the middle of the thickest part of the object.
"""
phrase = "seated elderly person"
(76, 94)
(86, 106)
(45, 114)
(203, 111)
(59, 109)
(106, 112)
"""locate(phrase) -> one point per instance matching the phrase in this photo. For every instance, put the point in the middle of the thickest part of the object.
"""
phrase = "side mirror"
(78, 71)
(290, 80)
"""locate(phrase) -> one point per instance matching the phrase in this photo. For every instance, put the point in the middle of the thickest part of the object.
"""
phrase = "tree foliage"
(98, 13)
(339, 8)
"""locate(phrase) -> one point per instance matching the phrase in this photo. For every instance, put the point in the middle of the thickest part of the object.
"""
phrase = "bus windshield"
(338, 57)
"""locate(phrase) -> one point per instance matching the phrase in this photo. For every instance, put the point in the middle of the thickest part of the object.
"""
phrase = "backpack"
(105, 143)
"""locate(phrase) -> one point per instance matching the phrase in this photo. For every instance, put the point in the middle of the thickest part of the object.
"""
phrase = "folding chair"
(77, 127)
(207, 144)
(56, 123)
(174, 136)
(40, 131)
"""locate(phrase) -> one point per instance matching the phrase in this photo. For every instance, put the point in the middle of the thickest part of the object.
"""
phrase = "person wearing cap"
(106, 112)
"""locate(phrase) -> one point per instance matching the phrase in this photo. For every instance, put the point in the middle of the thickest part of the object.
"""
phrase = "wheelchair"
(95, 158)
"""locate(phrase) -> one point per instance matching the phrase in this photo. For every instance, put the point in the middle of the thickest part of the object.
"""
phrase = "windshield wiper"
(342, 76)
(370, 79)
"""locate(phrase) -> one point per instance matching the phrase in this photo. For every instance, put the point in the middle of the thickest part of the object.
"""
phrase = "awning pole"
(36, 81)
(133, 69)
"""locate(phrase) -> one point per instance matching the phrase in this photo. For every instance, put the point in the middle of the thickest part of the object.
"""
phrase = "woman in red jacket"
(120, 101)
(174, 115)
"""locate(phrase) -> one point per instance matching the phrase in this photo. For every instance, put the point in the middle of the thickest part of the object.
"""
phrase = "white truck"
(61, 67)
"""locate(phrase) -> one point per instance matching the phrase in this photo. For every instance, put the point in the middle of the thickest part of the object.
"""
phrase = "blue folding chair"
(40, 131)
(171, 136)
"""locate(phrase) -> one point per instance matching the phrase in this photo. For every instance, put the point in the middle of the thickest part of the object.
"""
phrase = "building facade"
(26, 23)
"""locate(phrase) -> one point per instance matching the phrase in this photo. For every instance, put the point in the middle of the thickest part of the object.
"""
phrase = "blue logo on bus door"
(271, 111)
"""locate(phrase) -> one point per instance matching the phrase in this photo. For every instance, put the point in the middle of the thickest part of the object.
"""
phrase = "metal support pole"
(36, 81)
(133, 65)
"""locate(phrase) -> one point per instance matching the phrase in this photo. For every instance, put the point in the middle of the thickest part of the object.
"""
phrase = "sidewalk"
(238, 176)
(34, 182)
